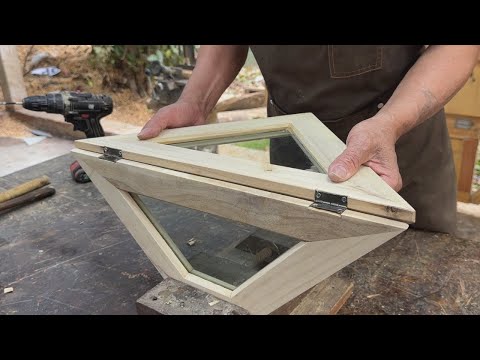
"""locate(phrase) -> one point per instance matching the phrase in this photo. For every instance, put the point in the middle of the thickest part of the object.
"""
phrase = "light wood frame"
(273, 198)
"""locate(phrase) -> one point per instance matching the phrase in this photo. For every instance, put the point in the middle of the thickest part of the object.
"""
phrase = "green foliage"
(262, 144)
(124, 64)
(136, 57)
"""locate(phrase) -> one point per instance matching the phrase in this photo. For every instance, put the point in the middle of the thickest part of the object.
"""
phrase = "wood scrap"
(239, 115)
(245, 101)
(251, 89)
(25, 199)
(24, 188)
(326, 298)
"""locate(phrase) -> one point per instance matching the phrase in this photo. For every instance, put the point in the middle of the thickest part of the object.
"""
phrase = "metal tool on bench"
(83, 110)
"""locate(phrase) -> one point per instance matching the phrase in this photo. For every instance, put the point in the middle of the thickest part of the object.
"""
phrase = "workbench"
(69, 254)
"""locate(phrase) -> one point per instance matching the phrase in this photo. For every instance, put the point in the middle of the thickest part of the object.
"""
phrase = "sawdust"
(11, 127)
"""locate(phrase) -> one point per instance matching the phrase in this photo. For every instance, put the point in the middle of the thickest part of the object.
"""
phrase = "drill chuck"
(50, 103)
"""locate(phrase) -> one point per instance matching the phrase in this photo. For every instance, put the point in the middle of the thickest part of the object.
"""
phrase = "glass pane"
(223, 251)
(279, 148)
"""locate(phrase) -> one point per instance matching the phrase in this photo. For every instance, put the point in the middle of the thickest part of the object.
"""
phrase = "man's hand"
(176, 115)
(431, 82)
(370, 143)
(215, 69)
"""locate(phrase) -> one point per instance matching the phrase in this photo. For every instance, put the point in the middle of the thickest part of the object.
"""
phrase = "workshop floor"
(69, 254)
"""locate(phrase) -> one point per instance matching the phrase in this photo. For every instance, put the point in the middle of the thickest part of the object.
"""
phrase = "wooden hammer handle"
(24, 188)
(28, 198)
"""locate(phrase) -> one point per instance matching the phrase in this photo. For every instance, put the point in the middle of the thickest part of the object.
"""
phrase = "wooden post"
(11, 76)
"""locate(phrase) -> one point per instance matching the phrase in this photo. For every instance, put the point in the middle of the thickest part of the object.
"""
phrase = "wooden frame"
(269, 197)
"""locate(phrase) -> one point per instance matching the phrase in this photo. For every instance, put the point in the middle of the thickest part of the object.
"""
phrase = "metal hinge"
(111, 154)
(330, 202)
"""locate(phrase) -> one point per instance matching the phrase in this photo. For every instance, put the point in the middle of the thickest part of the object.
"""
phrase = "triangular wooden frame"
(243, 190)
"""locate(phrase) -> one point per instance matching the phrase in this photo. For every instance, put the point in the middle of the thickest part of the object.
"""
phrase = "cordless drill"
(83, 110)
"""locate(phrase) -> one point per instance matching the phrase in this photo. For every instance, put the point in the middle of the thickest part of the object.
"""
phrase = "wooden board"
(464, 147)
(469, 153)
(11, 76)
(463, 127)
(464, 132)
(366, 191)
(325, 298)
(275, 212)
(172, 297)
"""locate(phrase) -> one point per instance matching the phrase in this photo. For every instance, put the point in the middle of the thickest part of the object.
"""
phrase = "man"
(385, 101)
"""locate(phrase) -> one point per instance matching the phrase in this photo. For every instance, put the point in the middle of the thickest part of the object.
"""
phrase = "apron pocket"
(352, 60)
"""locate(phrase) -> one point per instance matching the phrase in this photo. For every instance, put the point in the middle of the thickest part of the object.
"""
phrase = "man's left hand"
(371, 143)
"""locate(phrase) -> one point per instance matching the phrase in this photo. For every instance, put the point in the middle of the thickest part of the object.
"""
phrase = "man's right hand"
(176, 115)
(215, 69)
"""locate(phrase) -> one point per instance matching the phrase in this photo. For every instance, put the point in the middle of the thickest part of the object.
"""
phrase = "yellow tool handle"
(24, 188)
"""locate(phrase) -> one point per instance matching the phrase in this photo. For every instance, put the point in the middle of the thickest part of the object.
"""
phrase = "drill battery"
(78, 174)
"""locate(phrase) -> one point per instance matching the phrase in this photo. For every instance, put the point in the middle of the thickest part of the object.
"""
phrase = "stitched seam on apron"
(360, 70)
(363, 70)
(371, 108)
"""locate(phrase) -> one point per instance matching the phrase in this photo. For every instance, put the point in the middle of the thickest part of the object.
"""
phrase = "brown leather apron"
(345, 84)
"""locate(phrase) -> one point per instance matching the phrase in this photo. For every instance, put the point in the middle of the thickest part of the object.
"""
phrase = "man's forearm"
(216, 68)
(434, 79)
